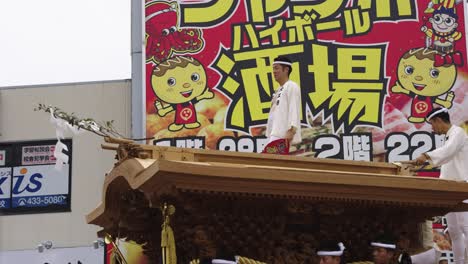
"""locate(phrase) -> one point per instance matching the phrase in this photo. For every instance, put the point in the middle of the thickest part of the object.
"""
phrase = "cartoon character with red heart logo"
(179, 83)
(420, 77)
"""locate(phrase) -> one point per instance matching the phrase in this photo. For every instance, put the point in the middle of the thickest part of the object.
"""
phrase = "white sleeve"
(426, 257)
(294, 105)
(446, 153)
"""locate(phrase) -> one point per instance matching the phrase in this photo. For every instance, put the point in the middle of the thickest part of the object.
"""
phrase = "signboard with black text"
(29, 181)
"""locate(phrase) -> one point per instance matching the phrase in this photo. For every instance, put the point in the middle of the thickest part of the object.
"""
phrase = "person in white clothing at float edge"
(284, 119)
(453, 159)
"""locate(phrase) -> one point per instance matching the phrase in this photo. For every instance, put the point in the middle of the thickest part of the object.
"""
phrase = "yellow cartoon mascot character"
(179, 83)
(420, 79)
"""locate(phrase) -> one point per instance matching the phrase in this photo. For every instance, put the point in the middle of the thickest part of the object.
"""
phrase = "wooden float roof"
(168, 170)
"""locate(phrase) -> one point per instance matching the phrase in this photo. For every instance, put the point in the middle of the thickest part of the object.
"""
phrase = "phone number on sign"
(44, 200)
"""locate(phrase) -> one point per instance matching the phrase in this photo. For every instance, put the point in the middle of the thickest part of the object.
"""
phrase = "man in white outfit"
(284, 119)
(453, 159)
(331, 252)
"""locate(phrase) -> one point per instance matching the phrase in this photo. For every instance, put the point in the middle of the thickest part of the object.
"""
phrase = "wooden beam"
(199, 155)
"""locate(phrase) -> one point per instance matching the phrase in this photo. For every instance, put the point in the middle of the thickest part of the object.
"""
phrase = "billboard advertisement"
(369, 71)
(29, 181)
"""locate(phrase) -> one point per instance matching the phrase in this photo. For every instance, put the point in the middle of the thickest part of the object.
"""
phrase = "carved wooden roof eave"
(124, 176)
(157, 177)
(203, 155)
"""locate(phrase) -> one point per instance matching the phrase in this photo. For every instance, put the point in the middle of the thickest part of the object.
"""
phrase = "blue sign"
(5, 188)
(39, 201)
(29, 181)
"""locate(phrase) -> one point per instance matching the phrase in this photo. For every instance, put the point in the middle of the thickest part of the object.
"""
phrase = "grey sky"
(58, 41)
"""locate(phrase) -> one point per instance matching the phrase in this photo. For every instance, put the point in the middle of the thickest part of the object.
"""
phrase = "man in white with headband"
(452, 157)
(284, 119)
(331, 252)
(386, 251)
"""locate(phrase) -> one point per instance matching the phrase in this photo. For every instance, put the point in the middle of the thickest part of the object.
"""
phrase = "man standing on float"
(452, 158)
(284, 119)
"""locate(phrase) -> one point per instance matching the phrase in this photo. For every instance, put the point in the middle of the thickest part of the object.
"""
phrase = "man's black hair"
(331, 245)
(386, 238)
(285, 59)
(444, 116)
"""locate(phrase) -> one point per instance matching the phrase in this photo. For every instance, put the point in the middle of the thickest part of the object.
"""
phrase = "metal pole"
(138, 117)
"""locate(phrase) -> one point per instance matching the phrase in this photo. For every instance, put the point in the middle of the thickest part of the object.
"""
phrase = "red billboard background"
(348, 57)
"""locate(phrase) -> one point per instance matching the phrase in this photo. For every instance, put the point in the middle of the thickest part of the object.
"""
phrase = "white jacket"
(453, 155)
(285, 112)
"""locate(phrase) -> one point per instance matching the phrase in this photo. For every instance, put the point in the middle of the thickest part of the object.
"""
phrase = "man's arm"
(448, 151)
(294, 110)
(290, 133)
(422, 159)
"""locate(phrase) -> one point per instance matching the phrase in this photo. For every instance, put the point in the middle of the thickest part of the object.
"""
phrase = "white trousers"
(458, 231)
(427, 257)
(272, 138)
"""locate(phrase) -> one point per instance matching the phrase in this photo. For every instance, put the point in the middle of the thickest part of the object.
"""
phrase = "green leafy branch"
(103, 129)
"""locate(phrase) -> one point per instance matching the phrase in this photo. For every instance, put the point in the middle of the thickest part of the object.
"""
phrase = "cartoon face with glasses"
(443, 33)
